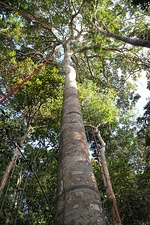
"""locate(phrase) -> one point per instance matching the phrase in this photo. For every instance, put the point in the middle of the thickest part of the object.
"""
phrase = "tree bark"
(8, 170)
(79, 201)
(132, 41)
(107, 182)
(12, 163)
(16, 191)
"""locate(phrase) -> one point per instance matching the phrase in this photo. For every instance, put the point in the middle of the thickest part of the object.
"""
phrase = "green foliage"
(100, 106)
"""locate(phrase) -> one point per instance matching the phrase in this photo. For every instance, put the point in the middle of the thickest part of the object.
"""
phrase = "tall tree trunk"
(78, 197)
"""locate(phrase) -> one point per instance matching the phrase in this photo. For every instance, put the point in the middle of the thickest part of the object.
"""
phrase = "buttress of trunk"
(78, 197)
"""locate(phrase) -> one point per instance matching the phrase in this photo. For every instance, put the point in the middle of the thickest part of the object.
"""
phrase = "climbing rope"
(32, 18)
(25, 80)
(40, 67)
(21, 62)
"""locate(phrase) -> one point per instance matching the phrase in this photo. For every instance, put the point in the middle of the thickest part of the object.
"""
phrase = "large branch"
(131, 41)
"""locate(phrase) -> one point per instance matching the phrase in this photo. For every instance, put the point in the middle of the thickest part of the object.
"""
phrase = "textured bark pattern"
(107, 181)
(8, 170)
(78, 198)
(12, 163)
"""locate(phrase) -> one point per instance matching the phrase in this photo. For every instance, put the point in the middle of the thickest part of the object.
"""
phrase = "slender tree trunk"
(12, 164)
(78, 197)
(8, 170)
(16, 195)
(107, 182)
(109, 189)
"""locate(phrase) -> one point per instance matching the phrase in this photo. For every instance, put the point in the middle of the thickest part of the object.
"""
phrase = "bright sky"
(143, 92)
